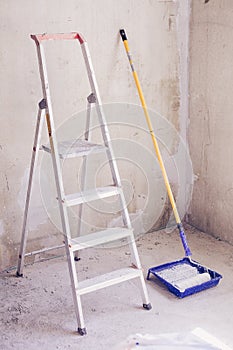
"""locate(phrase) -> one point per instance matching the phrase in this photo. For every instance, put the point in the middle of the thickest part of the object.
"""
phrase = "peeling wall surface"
(152, 30)
(211, 122)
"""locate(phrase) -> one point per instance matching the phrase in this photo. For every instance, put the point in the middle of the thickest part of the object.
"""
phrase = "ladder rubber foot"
(19, 274)
(147, 306)
(77, 258)
(82, 331)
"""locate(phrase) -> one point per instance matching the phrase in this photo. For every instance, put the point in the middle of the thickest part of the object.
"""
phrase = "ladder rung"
(75, 148)
(100, 237)
(90, 195)
(107, 279)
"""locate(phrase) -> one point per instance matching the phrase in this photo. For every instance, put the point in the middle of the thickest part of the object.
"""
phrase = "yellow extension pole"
(155, 143)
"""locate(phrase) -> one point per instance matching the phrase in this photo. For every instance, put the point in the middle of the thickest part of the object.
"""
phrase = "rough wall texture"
(211, 122)
(151, 27)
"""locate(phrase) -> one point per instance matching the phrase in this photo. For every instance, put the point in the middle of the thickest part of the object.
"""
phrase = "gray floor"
(36, 312)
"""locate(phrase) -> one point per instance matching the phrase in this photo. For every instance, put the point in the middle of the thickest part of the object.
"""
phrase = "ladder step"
(75, 148)
(107, 280)
(100, 237)
(91, 195)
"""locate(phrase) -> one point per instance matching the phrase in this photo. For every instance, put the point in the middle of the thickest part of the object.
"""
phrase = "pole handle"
(123, 34)
(156, 147)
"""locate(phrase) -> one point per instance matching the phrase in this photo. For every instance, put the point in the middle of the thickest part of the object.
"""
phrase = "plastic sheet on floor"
(197, 339)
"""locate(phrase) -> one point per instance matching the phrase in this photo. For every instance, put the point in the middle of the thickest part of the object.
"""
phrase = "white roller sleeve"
(193, 281)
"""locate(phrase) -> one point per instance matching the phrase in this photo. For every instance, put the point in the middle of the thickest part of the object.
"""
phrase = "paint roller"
(192, 281)
(188, 281)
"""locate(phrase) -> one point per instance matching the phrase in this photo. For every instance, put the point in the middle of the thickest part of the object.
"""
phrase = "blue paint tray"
(185, 277)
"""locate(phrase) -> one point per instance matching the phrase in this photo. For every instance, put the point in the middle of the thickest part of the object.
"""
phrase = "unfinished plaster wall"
(211, 121)
(151, 27)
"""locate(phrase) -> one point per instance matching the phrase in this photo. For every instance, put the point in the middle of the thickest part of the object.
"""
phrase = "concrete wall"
(151, 27)
(211, 122)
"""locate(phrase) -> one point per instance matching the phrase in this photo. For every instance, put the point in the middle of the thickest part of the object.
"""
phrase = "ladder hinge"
(69, 245)
(43, 104)
(91, 98)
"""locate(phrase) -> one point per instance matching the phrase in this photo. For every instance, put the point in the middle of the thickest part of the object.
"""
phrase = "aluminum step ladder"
(81, 148)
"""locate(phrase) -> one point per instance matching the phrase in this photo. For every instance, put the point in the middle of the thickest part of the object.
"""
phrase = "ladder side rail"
(52, 138)
(34, 158)
(104, 129)
(59, 184)
(112, 161)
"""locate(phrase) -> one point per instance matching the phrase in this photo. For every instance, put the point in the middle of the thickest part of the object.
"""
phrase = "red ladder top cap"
(59, 36)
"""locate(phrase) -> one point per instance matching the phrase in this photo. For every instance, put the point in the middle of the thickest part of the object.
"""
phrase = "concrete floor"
(36, 312)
